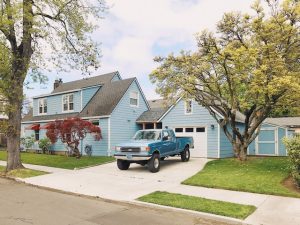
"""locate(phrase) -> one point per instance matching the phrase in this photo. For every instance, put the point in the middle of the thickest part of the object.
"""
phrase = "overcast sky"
(133, 32)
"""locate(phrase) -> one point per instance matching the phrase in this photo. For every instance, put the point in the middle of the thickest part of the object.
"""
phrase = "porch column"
(154, 125)
(144, 126)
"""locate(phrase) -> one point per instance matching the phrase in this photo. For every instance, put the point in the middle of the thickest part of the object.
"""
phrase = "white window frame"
(137, 98)
(68, 103)
(43, 106)
(185, 107)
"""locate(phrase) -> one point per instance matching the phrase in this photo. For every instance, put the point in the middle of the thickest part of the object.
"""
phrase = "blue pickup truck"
(150, 147)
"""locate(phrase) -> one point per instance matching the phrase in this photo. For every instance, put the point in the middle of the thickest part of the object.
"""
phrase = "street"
(21, 204)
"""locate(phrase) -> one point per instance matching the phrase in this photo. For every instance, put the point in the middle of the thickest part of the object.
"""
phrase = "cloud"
(133, 32)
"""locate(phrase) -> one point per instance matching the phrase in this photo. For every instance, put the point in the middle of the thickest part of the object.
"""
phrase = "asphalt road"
(26, 205)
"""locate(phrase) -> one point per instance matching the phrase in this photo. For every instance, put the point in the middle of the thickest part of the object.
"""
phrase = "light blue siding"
(99, 148)
(226, 149)
(199, 117)
(251, 148)
(87, 94)
(116, 78)
(123, 118)
(281, 147)
(55, 105)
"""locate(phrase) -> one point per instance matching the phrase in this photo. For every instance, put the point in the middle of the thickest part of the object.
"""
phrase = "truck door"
(166, 143)
(172, 145)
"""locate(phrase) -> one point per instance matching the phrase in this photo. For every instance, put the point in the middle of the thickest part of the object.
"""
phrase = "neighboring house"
(107, 100)
(188, 118)
(293, 123)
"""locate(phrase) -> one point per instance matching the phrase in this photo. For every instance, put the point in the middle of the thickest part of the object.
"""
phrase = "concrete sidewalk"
(108, 182)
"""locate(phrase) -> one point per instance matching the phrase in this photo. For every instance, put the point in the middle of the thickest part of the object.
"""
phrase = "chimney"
(57, 82)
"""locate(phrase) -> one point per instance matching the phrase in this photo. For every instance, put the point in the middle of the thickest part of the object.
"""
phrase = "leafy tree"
(36, 35)
(71, 131)
(251, 65)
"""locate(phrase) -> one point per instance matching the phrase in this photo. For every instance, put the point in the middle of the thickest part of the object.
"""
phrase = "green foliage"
(44, 143)
(28, 141)
(199, 204)
(293, 147)
(259, 175)
(250, 65)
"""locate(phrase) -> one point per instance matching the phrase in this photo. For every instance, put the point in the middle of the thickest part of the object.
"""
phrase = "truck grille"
(130, 149)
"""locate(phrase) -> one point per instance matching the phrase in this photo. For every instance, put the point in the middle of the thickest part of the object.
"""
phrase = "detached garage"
(188, 118)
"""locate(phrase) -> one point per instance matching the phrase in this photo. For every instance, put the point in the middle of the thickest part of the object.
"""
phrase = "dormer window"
(188, 107)
(134, 98)
(43, 106)
(68, 102)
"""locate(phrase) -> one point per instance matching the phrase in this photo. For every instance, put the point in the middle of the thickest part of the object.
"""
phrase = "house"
(107, 100)
(293, 123)
(188, 118)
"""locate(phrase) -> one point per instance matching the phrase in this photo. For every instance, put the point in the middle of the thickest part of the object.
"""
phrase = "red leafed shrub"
(71, 131)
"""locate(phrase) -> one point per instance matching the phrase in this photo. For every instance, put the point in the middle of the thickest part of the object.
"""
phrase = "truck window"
(165, 134)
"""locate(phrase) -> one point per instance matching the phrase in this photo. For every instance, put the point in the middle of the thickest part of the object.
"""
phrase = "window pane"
(200, 129)
(40, 109)
(65, 107)
(178, 130)
(134, 94)
(71, 98)
(188, 107)
(133, 101)
(71, 106)
(45, 109)
(189, 130)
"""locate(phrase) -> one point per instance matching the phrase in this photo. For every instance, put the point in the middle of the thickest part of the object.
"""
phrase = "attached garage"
(200, 139)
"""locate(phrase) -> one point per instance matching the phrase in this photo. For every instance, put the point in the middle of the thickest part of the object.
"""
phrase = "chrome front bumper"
(132, 157)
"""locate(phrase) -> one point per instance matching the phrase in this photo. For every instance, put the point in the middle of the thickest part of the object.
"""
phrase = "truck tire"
(123, 164)
(185, 155)
(154, 163)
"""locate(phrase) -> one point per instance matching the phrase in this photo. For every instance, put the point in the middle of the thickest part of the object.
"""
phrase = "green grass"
(60, 161)
(22, 173)
(199, 204)
(258, 174)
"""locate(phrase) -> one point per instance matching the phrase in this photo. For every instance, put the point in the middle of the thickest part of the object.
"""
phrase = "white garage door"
(200, 139)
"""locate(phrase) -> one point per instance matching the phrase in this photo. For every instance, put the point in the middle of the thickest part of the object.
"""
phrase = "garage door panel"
(266, 135)
(200, 139)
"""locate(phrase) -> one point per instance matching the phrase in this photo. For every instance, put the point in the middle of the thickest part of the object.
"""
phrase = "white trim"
(41, 121)
(219, 140)
(109, 147)
(137, 98)
(62, 101)
(58, 93)
(44, 113)
(276, 142)
(141, 91)
(81, 101)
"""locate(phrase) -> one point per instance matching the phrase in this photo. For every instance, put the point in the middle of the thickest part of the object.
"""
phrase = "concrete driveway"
(107, 181)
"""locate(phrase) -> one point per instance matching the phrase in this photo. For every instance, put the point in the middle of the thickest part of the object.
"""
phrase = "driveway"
(107, 181)
(21, 204)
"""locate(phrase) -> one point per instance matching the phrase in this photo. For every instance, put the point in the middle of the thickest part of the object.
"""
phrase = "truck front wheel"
(185, 155)
(123, 164)
(154, 163)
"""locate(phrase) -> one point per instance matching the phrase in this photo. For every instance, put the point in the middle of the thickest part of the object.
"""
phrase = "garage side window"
(188, 107)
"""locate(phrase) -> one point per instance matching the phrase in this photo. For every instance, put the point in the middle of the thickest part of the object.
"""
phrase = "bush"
(293, 148)
(28, 141)
(44, 144)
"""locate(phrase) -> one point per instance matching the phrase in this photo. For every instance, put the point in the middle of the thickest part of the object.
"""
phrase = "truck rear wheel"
(154, 163)
(123, 164)
(185, 155)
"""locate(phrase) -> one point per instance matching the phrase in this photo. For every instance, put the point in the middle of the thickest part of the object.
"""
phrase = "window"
(200, 129)
(188, 107)
(134, 98)
(189, 130)
(68, 102)
(42, 106)
(165, 135)
(37, 135)
(178, 130)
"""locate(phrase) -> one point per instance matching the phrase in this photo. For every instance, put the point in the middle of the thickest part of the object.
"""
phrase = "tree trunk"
(240, 150)
(13, 137)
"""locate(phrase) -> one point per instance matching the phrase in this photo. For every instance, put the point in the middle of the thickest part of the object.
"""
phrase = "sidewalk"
(108, 182)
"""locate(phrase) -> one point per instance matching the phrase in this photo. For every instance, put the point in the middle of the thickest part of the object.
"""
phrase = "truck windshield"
(147, 135)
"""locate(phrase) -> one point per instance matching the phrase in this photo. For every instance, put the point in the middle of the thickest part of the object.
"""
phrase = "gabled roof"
(101, 104)
(158, 107)
(284, 121)
(86, 82)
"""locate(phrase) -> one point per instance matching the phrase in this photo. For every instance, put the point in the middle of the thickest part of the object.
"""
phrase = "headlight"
(117, 148)
(145, 148)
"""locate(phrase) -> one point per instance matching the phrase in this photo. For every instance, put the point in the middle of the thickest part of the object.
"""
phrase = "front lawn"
(60, 161)
(199, 204)
(21, 173)
(258, 174)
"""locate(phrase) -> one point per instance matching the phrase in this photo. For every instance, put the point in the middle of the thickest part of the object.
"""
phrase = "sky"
(133, 32)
